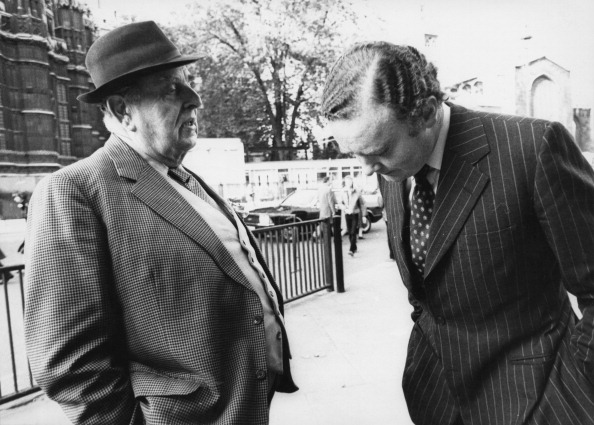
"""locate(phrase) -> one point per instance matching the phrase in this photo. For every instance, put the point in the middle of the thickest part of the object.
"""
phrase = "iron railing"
(16, 379)
(299, 256)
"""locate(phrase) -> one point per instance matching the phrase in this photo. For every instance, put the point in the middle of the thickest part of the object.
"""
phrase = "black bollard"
(338, 254)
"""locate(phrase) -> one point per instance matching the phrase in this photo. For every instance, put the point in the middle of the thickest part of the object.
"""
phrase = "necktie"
(186, 179)
(422, 202)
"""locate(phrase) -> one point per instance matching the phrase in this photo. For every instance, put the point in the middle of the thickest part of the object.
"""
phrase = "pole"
(338, 254)
(326, 239)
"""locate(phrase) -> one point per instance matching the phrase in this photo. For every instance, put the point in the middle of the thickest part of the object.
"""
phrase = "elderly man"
(494, 228)
(148, 300)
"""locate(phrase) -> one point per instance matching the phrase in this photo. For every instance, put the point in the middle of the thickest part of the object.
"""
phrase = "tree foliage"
(262, 66)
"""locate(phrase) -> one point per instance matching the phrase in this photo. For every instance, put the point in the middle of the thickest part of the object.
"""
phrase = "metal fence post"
(326, 227)
(338, 253)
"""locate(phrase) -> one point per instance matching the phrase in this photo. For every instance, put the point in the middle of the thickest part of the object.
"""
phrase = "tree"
(264, 65)
(230, 97)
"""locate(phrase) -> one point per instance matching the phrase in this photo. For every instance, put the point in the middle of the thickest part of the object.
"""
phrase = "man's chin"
(189, 142)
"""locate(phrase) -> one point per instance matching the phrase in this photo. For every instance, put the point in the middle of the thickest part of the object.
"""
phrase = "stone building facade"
(537, 88)
(543, 91)
(43, 127)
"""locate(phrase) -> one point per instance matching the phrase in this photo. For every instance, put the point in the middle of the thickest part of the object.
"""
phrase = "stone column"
(583, 137)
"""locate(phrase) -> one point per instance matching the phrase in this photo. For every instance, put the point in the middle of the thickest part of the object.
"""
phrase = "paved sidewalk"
(348, 350)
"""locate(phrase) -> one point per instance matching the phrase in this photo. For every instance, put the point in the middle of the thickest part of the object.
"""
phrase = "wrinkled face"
(382, 143)
(165, 115)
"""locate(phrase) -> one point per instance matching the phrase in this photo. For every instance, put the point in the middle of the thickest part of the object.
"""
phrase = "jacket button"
(258, 320)
(279, 335)
(440, 320)
(261, 374)
(271, 294)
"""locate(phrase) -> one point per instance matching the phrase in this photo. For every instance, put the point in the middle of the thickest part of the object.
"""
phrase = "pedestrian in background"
(326, 198)
(148, 301)
(352, 203)
(497, 227)
(380, 203)
(326, 203)
(362, 215)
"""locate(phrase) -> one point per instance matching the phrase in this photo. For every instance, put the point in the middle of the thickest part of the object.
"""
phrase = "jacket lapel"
(460, 182)
(395, 195)
(153, 190)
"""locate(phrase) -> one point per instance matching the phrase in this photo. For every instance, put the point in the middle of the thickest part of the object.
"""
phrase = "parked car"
(302, 205)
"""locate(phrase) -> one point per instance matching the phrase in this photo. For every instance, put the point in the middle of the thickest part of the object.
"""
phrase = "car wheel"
(291, 233)
(366, 224)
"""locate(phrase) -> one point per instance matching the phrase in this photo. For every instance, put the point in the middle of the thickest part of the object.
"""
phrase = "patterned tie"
(186, 179)
(422, 202)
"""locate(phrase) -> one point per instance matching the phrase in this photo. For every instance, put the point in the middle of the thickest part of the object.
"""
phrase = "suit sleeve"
(73, 327)
(564, 198)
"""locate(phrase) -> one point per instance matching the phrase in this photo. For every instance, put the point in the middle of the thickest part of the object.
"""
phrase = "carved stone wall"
(583, 135)
(42, 49)
(543, 91)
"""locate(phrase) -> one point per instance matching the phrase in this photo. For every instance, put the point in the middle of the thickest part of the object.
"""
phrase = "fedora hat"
(115, 58)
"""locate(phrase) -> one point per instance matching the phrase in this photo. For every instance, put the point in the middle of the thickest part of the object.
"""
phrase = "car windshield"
(301, 198)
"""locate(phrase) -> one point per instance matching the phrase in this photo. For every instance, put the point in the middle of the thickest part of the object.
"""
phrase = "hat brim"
(100, 93)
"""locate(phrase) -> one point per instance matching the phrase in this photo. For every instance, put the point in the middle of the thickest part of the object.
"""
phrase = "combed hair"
(131, 94)
(402, 79)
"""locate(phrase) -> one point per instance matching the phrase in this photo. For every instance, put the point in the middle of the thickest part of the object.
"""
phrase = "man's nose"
(191, 98)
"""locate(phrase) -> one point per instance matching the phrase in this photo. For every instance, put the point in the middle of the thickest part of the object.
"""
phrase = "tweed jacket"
(495, 339)
(135, 310)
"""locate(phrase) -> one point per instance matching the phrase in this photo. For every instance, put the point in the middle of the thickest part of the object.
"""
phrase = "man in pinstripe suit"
(148, 300)
(510, 231)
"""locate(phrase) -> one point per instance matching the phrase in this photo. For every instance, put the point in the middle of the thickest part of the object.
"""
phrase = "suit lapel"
(460, 182)
(153, 190)
(395, 197)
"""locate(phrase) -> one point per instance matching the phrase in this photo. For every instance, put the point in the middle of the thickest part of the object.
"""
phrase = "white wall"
(220, 162)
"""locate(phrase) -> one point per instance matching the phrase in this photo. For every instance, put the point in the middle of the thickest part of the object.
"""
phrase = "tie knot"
(179, 174)
(421, 176)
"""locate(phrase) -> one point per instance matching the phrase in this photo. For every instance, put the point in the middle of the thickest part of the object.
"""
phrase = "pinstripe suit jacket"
(135, 309)
(495, 339)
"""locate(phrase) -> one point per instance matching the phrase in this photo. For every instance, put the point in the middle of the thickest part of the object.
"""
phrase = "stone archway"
(545, 99)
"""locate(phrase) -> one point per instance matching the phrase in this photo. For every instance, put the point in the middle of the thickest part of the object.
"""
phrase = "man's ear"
(121, 110)
(430, 111)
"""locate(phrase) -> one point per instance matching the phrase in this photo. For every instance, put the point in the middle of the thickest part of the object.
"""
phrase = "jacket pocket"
(145, 384)
(534, 359)
(166, 397)
(487, 241)
(149, 382)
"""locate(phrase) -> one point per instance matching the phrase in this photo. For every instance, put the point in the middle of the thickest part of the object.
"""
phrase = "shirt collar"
(436, 157)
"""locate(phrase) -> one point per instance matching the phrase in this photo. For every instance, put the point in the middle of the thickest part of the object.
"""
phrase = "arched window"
(545, 99)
